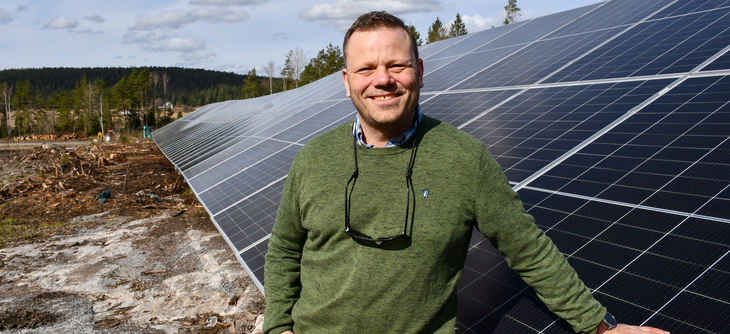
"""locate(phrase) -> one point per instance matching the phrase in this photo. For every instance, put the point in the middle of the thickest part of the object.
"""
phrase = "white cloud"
(186, 45)
(197, 58)
(227, 2)
(5, 17)
(96, 18)
(161, 41)
(476, 22)
(342, 13)
(153, 36)
(178, 18)
(88, 31)
(62, 22)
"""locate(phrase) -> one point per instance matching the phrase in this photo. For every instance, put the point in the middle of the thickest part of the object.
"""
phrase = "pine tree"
(329, 60)
(512, 12)
(252, 85)
(288, 70)
(7, 93)
(24, 103)
(458, 28)
(417, 36)
(436, 32)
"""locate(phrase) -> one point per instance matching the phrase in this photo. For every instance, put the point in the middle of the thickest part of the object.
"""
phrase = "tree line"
(91, 100)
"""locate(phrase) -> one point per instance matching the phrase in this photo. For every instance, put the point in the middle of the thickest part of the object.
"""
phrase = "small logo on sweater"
(425, 193)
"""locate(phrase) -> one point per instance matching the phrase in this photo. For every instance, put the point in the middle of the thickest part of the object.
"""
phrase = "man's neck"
(379, 136)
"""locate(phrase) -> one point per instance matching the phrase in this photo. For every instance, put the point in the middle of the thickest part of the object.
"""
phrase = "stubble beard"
(381, 118)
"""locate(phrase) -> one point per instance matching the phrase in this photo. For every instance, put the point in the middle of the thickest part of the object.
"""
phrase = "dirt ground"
(110, 239)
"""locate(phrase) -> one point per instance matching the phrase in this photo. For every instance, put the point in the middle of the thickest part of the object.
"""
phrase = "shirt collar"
(357, 132)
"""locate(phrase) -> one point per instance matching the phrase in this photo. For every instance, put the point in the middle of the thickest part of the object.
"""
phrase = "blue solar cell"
(458, 69)
(506, 133)
(670, 45)
(456, 109)
(458, 46)
(475, 40)
(252, 219)
(537, 28)
(690, 6)
(722, 63)
(536, 61)
(428, 51)
(242, 145)
(242, 160)
(430, 65)
(246, 182)
(670, 171)
(612, 14)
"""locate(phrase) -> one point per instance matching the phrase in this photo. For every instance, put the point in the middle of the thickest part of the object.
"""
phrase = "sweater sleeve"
(502, 218)
(283, 259)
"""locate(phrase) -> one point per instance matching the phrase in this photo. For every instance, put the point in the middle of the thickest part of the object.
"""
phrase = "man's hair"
(376, 20)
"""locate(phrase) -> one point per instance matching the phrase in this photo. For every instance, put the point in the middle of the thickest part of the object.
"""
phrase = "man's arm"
(502, 218)
(282, 269)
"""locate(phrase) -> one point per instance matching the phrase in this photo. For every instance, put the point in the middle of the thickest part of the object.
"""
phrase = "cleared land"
(146, 259)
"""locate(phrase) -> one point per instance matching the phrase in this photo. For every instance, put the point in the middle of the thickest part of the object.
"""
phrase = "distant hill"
(183, 81)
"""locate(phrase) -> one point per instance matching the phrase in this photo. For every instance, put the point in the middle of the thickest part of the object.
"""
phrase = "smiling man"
(383, 77)
(376, 260)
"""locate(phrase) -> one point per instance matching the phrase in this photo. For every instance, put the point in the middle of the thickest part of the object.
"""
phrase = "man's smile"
(384, 97)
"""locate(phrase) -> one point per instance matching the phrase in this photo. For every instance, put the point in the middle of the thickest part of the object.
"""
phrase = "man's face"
(382, 78)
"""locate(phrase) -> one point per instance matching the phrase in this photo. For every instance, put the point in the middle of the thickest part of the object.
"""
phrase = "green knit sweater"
(319, 280)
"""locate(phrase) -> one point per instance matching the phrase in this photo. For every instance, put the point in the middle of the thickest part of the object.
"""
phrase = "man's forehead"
(374, 34)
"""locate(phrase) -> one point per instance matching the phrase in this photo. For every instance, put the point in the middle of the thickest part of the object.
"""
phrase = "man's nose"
(383, 77)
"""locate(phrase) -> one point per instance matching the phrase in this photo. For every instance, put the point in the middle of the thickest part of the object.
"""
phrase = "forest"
(90, 100)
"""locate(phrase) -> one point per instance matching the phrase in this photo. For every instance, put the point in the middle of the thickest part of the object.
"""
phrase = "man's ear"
(347, 84)
(420, 72)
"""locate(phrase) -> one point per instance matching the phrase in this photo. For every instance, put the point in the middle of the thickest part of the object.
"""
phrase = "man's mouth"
(384, 98)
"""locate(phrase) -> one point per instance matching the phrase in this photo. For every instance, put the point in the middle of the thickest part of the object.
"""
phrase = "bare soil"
(145, 259)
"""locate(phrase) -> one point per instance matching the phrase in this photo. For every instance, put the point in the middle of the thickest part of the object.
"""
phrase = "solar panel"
(612, 122)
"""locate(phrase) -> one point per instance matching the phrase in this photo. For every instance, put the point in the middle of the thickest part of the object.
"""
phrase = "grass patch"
(13, 230)
(54, 225)
(9, 228)
(32, 236)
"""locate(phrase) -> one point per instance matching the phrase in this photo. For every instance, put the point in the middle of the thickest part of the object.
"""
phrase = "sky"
(222, 35)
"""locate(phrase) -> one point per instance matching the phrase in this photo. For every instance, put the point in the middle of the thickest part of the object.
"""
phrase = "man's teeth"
(383, 98)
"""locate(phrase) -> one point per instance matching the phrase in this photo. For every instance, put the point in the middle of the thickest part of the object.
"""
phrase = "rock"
(259, 325)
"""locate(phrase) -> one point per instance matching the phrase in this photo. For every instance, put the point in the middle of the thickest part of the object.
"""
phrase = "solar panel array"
(612, 121)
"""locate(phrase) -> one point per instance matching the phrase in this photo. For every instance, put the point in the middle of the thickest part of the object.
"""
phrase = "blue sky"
(224, 35)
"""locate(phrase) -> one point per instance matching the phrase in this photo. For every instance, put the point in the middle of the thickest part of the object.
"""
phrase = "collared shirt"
(357, 131)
